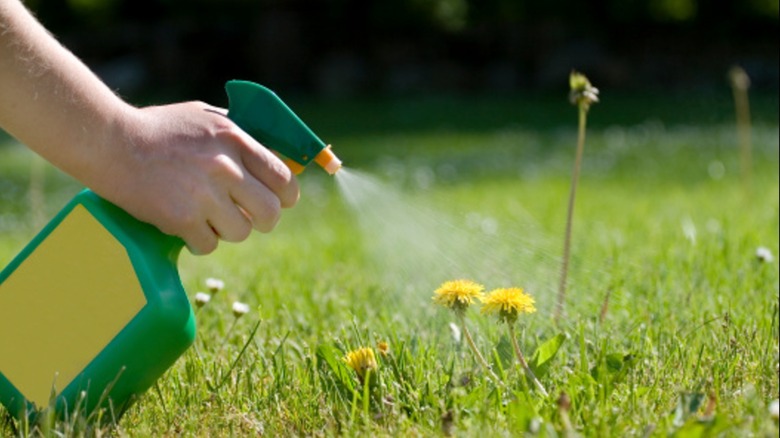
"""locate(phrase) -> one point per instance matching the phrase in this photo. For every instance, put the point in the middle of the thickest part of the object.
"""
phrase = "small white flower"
(202, 298)
(774, 409)
(214, 285)
(764, 254)
(535, 425)
(240, 309)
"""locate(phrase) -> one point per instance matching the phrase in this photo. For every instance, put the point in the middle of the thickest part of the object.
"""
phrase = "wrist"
(111, 150)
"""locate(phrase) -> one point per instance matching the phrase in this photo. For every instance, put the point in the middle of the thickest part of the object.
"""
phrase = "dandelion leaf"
(540, 360)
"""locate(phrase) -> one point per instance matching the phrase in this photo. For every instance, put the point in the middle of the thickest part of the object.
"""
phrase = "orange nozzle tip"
(328, 161)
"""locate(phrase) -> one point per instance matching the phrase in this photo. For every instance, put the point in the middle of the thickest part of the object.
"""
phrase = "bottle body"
(92, 311)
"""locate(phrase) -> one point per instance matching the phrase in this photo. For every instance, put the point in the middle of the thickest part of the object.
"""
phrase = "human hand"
(189, 170)
(185, 168)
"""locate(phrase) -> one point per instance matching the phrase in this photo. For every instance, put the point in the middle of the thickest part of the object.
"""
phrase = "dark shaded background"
(176, 49)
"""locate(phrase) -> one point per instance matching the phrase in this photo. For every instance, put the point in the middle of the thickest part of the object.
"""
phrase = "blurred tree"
(673, 10)
(186, 46)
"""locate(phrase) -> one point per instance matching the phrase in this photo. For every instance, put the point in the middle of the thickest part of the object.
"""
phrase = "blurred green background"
(160, 50)
(360, 70)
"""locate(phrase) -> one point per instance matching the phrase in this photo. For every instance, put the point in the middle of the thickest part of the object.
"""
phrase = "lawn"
(671, 322)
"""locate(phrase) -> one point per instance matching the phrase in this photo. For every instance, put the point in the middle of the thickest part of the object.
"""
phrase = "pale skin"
(185, 168)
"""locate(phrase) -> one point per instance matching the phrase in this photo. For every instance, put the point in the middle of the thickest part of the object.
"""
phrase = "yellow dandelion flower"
(361, 360)
(457, 295)
(508, 303)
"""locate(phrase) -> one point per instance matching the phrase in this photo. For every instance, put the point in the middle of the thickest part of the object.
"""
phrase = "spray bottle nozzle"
(259, 111)
(328, 160)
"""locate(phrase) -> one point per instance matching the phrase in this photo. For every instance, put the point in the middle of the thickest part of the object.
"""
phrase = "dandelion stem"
(740, 82)
(559, 308)
(473, 346)
(366, 393)
(521, 358)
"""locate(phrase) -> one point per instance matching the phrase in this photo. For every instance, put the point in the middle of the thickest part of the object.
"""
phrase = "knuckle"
(228, 132)
(222, 166)
(197, 104)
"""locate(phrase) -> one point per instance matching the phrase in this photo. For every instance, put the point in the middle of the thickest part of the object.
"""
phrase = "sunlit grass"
(669, 314)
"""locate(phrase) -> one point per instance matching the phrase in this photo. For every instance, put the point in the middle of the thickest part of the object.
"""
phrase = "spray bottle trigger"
(294, 166)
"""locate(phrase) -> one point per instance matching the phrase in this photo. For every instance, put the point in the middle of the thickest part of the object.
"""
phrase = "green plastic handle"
(259, 111)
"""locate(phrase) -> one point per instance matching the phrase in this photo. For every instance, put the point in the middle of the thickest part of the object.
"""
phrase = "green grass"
(663, 227)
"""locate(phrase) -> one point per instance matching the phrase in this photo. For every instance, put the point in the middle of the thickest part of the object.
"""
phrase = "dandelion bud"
(564, 402)
(739, 78)
(240, 309)
(383, 348)
(774, 409)
(582, 92)
(214, 285)
(201, 299)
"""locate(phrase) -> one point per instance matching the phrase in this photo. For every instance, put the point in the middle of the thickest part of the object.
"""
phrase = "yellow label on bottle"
(64, 304)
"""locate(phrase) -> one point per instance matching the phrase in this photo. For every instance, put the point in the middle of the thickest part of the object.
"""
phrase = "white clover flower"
(202, 298)
(214, 285)
(240, 309)
(764, 254)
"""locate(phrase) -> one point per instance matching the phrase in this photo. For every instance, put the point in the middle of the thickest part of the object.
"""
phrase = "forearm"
(186, 168)
(50, 100)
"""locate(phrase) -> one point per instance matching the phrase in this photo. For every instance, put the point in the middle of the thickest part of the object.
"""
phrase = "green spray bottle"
(92, 311)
